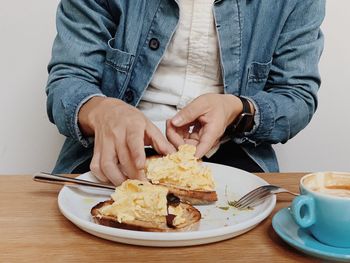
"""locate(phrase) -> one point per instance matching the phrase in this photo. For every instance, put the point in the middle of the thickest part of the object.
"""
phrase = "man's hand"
(121, 131)
(208, 115)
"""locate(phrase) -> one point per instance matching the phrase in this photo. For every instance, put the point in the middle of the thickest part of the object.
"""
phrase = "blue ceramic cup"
(324, 207)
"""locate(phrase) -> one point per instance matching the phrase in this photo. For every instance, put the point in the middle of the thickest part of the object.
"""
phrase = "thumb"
(189, 114)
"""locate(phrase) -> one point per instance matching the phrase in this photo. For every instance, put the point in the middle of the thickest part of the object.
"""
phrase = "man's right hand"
(121, 131)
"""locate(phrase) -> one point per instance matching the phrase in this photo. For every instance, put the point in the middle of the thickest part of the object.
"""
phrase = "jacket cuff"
(263, 120)
(264, 115)
(85, 141)
(65, 99)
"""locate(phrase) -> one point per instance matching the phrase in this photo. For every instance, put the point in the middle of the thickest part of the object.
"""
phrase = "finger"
(95, 162)
(112, 171)
(190, 113)
(193, 139)
(206, 141)
(136, 145)
(191, 142)
(125, 160)
(194, 136)
(109, 164)
(173, 135)
(95, 169)
(216, 143)
(158, 141)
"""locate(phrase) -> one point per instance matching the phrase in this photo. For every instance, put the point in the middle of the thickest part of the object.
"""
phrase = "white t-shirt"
(190, 66)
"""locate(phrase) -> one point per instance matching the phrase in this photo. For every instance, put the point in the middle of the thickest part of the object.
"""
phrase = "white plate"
(216, 224)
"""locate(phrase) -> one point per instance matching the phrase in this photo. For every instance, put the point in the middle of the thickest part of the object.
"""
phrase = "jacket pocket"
(116, 70)
(257, 76)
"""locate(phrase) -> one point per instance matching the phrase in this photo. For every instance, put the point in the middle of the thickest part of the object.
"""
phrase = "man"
(230, 76)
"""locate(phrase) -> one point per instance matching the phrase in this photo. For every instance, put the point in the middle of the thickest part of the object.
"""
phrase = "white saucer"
(303, 240)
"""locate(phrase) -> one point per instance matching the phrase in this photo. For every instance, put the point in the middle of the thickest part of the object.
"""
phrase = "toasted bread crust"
(191, 214)
(194, 197)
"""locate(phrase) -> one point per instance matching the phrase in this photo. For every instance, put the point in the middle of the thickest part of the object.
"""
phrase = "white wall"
(325, 143)
(29, 143)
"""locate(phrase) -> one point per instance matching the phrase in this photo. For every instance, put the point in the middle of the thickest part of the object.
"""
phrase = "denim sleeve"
(78, 54)
(289, 99)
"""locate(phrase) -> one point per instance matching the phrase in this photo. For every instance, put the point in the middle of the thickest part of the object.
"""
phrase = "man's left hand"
(208, 115)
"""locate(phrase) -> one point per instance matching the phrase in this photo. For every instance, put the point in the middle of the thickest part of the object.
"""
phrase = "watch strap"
(243, 121)
(246, 106)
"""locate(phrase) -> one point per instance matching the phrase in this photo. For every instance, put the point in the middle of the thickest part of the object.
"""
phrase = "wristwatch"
(243, 122)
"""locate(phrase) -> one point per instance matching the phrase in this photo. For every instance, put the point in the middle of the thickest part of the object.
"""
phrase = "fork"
(257, 195)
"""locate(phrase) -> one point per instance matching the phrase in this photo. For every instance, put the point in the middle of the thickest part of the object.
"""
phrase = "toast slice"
(191, 214)
(183, 175)
(194, 197)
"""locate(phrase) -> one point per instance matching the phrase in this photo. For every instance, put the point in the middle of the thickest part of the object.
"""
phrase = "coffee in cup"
(324, 207)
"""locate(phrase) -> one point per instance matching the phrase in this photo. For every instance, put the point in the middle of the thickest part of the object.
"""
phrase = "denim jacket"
(269, 52)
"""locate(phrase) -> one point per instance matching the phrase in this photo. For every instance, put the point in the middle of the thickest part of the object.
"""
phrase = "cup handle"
(308, 217)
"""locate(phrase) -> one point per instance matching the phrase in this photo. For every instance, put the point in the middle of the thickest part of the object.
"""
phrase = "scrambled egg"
(178, 212)
(141, 200)
(181, 169)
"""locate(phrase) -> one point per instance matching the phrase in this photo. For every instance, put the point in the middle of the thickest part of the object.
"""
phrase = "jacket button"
(129, 96)
(153, 44)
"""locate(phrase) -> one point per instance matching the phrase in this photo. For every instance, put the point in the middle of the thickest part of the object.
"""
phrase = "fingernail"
(177, 120)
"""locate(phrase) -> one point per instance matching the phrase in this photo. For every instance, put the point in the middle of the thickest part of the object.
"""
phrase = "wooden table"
(33, 230)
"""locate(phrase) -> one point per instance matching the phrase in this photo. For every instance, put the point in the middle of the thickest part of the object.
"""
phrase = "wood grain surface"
(32, 229)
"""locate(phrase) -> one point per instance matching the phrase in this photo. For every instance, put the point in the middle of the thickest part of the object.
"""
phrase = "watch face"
(243, 123)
